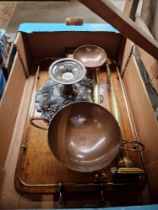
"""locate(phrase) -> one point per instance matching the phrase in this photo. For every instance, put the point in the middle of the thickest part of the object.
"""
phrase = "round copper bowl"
(84, 136)
(91, 56)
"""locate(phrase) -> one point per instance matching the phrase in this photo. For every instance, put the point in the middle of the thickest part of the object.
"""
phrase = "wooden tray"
(37, 169)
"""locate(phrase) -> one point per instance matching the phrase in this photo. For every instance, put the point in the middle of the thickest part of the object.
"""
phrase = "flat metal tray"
(37, 169)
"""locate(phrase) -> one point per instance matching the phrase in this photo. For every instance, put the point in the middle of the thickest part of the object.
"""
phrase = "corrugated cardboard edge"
(24, 51)
(61, 27)
(145, 120)
(9, 196)
(9, 105)
(2, 174)
(127, 51)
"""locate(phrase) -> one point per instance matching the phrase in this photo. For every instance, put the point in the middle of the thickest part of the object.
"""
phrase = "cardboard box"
(39, 41)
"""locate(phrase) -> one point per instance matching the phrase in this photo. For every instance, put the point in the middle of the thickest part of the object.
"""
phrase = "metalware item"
(84, 136)
(53, 96)
(91, 56)
(125, 165)
(68, 83)
(67, 71)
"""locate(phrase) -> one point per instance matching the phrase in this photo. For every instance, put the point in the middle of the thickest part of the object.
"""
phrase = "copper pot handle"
(137, 146)
(33, 122)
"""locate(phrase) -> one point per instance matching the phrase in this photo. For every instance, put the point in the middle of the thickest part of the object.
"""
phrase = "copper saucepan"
(84, 136)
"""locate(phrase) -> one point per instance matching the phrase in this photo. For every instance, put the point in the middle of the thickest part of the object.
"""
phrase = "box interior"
(31, 49)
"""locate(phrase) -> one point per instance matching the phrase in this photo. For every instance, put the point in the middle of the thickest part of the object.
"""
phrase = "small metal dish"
(67, 71)
(91, 56)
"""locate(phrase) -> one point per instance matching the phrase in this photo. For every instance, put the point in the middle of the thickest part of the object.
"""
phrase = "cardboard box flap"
(108, 12)
(55, 39)
(56, 27)
(24, 51)
(9, 105)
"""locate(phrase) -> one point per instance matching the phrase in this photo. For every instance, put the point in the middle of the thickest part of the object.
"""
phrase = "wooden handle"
(74, 21)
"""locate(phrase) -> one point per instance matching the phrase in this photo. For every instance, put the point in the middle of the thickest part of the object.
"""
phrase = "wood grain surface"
(108, 12)
(37, 166)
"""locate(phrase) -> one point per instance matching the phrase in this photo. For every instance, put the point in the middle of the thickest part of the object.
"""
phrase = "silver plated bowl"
(67, 71)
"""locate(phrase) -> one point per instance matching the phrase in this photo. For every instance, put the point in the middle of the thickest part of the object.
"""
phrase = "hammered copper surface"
(84, 137)
(91, 56)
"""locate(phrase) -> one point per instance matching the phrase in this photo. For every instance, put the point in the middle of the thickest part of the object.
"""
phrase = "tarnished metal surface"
(50, 98)
(68, 84)
(67, 71)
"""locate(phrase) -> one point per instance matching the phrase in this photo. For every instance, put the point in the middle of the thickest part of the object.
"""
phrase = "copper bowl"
(84, 137)
(91, 56)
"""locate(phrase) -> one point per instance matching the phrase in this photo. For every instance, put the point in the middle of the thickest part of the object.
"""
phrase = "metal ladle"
(92, 57)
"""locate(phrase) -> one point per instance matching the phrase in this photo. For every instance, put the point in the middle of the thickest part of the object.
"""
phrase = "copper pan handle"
(34, 119)
(33, 122)
(135, 146)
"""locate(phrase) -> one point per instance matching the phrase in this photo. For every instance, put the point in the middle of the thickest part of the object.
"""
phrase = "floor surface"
(14, 13)
(7, 9)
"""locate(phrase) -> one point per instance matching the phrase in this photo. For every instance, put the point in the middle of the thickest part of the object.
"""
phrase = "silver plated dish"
(67, 71)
